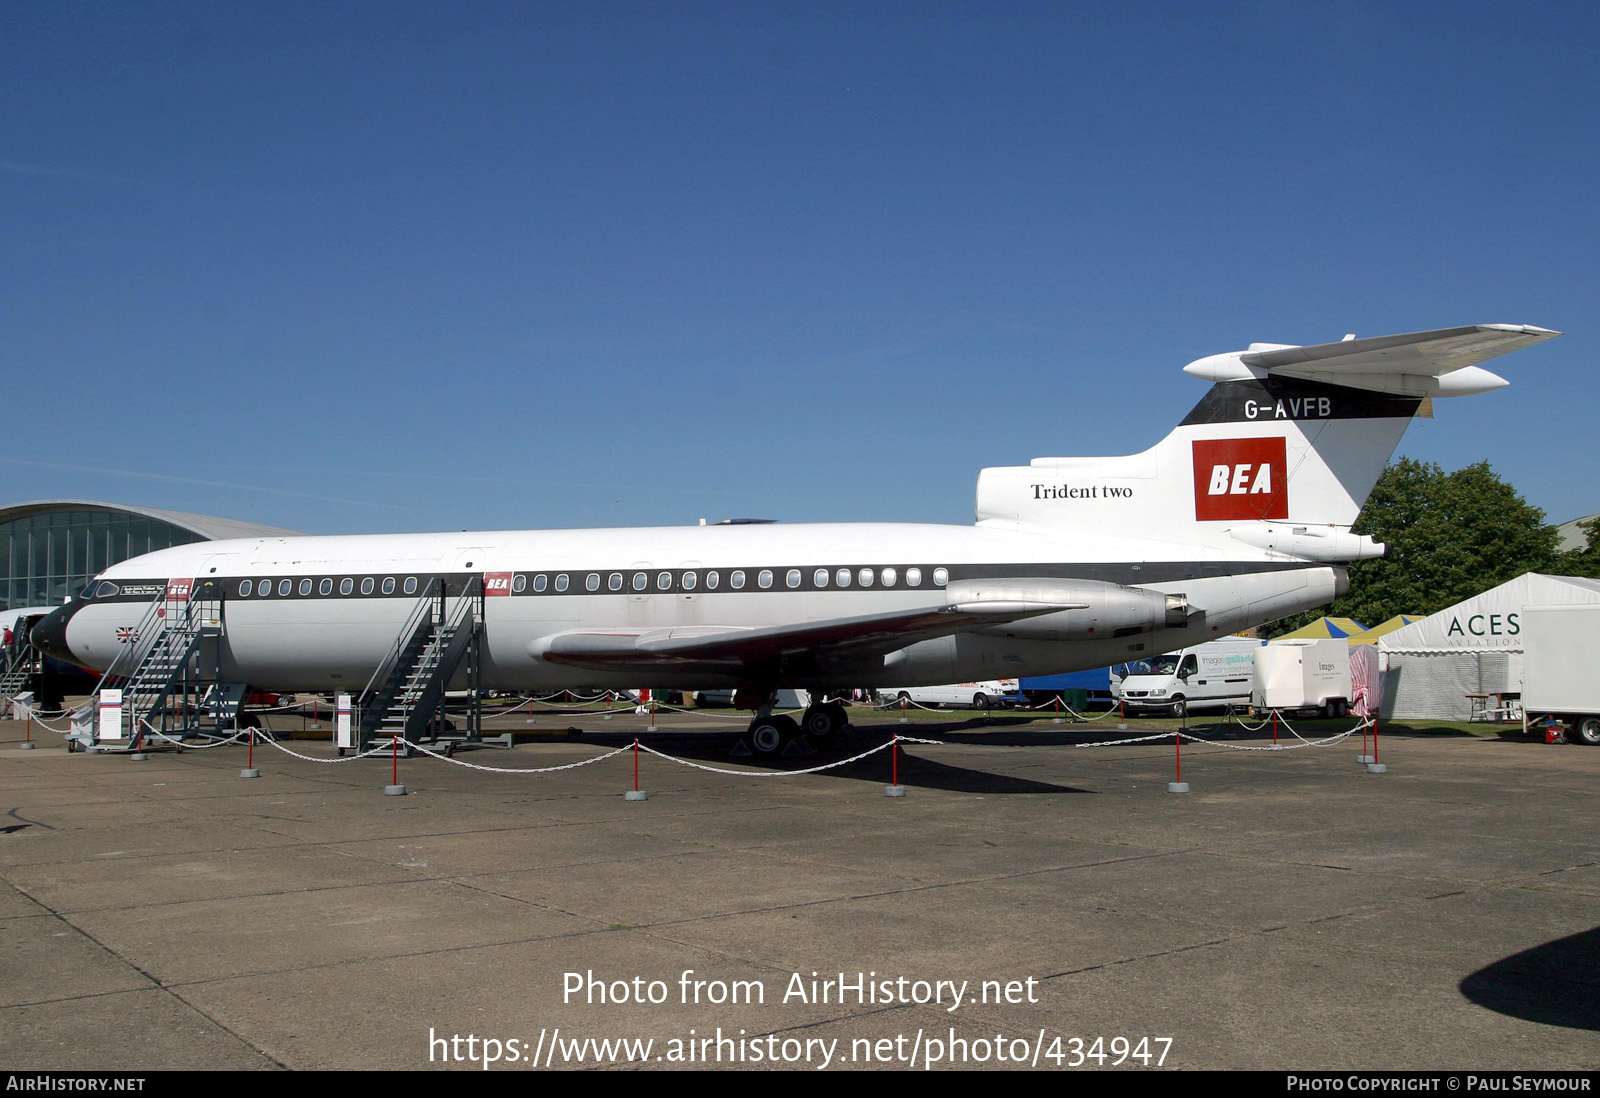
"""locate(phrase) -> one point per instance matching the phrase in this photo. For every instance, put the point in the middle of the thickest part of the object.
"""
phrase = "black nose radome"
(50, 634)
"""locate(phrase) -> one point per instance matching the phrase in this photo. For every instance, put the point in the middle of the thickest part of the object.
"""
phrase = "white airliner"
(1240, 516)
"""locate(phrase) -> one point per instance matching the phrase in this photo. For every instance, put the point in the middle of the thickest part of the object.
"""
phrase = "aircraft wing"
(805, 647)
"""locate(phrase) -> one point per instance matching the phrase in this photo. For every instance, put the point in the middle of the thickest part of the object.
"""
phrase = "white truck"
(1303, 675)
(1558, 672)
(1212, 675)
(978, 695)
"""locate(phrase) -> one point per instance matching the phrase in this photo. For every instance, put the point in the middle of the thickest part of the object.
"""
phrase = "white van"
(1212, 675)
(978, 695)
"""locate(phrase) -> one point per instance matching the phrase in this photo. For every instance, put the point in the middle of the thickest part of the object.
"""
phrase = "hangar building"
(50, 549)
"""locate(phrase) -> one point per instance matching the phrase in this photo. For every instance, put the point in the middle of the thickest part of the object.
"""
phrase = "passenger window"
(664, 581)
(325, 588)
(388, 585)
(711, 581)
(865, 577)
(792, 578)
(305, 587)
(591, 582)
(689, 581)
(346, 585)
(561, 583)
(913, 577)
(519, 584)
(941, 576)
(244, 589)
(614, 581)
(820, 577)
(540, 582)
(411, 585)
(764, 580)
(265, 589)
(285, 586)
(888, 577)
(366, 585)
(843, 577)
(737, 581)
(640, 581)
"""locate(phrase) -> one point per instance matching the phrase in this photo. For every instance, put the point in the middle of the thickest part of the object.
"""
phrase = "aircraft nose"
(50, 633)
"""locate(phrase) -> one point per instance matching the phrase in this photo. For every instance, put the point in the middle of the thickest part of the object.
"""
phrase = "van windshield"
(1163, 665)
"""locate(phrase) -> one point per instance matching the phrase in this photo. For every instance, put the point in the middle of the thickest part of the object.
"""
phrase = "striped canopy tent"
(1383, 629)
(1326, 628)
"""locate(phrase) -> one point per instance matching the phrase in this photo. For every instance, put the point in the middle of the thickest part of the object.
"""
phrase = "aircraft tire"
(823, 722)
(767, 735)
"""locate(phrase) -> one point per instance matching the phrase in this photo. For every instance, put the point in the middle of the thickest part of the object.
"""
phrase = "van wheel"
(1585, 730)
(980, 701)
(904, 698)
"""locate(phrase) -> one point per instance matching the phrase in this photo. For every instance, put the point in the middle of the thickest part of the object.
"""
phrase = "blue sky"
(412, 266)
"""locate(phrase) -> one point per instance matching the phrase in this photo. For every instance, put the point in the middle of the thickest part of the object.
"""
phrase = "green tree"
(1450, 536)
(1584, 561)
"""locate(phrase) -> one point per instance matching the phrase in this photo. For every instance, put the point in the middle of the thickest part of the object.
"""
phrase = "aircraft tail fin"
(1280, 454)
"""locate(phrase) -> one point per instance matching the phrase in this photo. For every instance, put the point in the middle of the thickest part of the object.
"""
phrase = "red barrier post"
(636, 794)
(396, 789)
(895, 790)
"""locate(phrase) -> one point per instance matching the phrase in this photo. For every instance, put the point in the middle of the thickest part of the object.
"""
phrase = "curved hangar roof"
(207, 527)
(49, 549)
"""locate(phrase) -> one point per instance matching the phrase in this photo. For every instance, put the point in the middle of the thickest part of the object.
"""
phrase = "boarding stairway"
(159, 674)
(21, 666)
(403, 702)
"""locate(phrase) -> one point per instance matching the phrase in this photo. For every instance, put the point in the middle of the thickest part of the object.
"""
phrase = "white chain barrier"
(517, 770)
(389, 748)
(768, 773)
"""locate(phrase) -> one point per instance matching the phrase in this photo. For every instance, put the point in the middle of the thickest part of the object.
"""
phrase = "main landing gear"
(770, 736)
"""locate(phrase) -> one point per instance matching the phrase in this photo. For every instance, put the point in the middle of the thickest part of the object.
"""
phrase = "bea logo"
(1240, 478)
(497, 583)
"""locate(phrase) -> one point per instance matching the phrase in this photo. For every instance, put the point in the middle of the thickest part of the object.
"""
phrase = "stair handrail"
(423, 607)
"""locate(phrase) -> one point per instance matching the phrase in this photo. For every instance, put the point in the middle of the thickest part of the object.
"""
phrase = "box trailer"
(1559, 680)
(1303, 676)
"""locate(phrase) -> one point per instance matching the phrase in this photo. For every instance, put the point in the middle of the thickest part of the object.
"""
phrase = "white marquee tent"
(1474, 647)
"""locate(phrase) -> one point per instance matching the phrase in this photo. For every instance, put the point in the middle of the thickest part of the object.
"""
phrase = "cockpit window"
(105, 589)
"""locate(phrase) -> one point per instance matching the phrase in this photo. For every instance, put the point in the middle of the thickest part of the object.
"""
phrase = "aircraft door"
(218, 564)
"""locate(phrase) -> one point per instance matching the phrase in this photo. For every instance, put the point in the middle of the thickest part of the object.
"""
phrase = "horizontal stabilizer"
(1438, 363)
